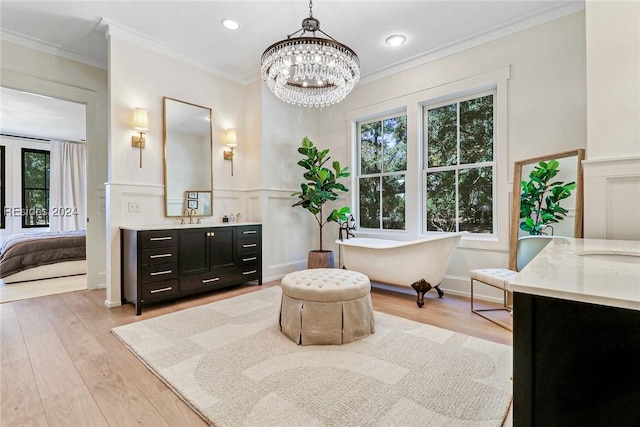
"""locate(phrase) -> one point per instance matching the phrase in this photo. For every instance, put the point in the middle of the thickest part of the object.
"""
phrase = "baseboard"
(452, 285)
(461, 286)
(111, 304)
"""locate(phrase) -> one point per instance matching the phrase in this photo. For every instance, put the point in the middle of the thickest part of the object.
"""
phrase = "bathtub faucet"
(347, 227)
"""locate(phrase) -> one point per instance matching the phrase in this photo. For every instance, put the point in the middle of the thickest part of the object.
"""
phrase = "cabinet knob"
(211, 234)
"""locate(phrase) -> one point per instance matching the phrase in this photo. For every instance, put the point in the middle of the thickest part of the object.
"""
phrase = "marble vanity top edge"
(185, 226)
(596, 271)
(578, 297)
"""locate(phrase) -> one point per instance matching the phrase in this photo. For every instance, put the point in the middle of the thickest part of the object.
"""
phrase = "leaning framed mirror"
(188, 167)
(548, 198)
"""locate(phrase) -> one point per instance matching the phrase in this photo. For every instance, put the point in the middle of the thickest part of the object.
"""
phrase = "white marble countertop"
(604, 272)
(178, 226)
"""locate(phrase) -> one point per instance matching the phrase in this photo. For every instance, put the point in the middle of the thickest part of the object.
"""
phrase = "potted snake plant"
(320, 186)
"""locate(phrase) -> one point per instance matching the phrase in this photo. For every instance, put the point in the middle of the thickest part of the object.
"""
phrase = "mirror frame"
(517, 187)
(164, 143)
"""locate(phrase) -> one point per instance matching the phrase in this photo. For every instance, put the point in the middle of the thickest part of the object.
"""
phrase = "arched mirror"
(547, 198)
(188, 171)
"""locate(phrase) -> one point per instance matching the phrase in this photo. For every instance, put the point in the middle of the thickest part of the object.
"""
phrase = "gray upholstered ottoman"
(326, 306)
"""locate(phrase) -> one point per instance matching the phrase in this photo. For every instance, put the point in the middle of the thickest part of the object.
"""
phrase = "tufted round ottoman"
(326, 306)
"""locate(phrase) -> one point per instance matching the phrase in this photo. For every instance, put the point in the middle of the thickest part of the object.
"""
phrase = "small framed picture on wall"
(192, 204)
(192, 195)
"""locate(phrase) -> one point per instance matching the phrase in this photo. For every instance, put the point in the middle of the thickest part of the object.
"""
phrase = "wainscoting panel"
(254, 207)
(96, 250)
(622, 215)
(612, 198)
(288, 235)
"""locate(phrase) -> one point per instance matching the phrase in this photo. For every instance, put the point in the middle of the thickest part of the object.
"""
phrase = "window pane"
(36, 170)
(370, 202)
(36, 204)
(395, 144)
(371, 148)
(442, 136)
(441, 201)
(393, 202)
(35, 187)
(476, 200)
(476, 130)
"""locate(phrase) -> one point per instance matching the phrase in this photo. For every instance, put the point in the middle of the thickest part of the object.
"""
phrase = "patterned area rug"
(229, 361)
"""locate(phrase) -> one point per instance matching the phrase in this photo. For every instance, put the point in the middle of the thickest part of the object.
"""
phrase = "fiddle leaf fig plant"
(321, 184)
(540, 198)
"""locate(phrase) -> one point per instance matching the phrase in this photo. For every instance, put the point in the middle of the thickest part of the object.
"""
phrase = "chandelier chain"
(310, 8)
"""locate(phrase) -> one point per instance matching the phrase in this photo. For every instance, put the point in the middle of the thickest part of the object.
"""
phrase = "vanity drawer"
(247, 246)
(158, 238)
(163, 255)
(204, 281)
(249, 272)
(248, 259)
(155, 273)
(159, 290)
(248, 232)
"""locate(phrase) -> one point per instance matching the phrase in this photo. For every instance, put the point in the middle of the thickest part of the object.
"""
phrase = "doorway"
(36, 129)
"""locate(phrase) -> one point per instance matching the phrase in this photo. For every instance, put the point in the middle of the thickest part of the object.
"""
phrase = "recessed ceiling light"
(230, 24)
(395, 40)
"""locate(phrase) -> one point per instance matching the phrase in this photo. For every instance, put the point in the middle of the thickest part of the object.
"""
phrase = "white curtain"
(67, 186)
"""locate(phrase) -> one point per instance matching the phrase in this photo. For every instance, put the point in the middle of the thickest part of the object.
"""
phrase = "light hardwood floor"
(60, 364)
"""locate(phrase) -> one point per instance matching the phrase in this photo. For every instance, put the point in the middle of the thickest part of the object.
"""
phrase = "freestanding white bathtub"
(420, 263)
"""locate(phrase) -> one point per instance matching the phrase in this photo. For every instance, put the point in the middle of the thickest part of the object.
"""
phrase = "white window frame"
(432, 91)
(457, 99)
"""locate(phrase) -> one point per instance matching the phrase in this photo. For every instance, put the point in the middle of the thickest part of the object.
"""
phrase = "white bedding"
(60, 269)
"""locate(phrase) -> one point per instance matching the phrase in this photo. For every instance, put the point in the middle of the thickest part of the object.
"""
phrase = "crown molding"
(550, 14)
(51, 48)
(113, 29)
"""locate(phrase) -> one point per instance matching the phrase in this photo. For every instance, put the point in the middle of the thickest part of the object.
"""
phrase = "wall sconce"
(141, 124)
(232, 143)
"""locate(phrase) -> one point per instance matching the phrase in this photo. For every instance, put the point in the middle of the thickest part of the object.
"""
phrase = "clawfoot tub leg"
(440, 292)
(422, 287)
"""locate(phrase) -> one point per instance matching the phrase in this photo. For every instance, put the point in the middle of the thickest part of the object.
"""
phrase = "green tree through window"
(35, 188)
(459, 165)
(383, 165)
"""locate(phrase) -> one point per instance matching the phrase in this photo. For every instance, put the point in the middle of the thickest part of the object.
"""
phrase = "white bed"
(60, 269)
(42, 255)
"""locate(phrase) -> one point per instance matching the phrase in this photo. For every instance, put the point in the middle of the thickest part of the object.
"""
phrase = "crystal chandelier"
(310, 71)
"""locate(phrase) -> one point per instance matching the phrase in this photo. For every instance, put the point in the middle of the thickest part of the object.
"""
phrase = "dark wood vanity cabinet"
(575, 363)
(158, 265)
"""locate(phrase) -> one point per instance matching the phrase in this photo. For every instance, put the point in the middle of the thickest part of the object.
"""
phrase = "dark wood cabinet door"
(221, 247)
(193, 250)
(575, 363)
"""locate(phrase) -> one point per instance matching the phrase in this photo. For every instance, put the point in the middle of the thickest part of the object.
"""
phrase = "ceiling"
(191, 30)
(27, 114)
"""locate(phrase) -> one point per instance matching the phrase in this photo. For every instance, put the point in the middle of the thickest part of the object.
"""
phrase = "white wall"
(613, 78)
(556, 70)
(288, 233)
(612, 171)
(141, 77)
(546, 113)
(33, 71)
